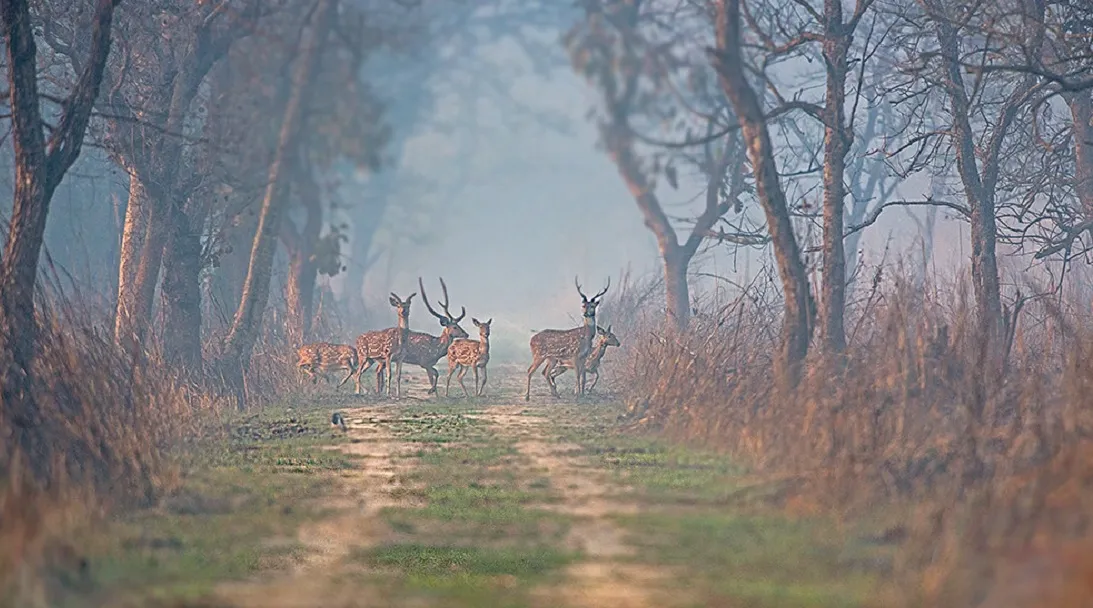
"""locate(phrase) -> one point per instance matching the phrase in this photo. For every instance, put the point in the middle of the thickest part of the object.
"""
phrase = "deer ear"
(476, 322)
(394, 300)
(490, 322)
(411, 297)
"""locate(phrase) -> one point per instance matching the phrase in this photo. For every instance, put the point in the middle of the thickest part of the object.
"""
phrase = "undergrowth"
(991, 452)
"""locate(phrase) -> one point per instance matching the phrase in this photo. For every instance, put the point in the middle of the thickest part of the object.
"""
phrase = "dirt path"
(604, 578)
(363, 493)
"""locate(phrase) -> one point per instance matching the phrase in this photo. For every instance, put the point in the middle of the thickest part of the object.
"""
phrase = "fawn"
(323, 357)
(466, 353)
(604, 338)
(567, 344)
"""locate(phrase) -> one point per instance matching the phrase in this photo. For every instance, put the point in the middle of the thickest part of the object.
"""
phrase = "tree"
(798, 306)
(244, 329)
(40, 164)
(617, 50)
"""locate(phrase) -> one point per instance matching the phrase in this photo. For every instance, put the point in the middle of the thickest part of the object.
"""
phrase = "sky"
(541, 206)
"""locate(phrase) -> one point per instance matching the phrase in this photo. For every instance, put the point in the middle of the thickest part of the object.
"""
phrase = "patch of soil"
(607, 577)
(379, 482)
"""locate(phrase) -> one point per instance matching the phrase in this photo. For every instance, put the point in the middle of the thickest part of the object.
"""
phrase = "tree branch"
(875, 215)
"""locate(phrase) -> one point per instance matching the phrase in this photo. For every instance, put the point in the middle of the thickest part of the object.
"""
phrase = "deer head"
(402, 307)
(588, 305)
(483, 328)
(447, 321)
(607, 337)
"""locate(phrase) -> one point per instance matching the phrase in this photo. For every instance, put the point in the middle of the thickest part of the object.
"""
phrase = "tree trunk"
(182, 295)
(978, 190)
(248, 317)
(833, 298)
(39, 167)
(303, 268)
(1081, 112)
(677, 291)
(132, 312)
(798, 306)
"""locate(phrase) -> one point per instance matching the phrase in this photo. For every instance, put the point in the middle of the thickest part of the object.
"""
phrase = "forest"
(854, 239)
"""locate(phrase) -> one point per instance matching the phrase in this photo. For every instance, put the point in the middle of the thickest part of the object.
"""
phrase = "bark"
(182, 294)
(39, 167)
(798, 305)
(1081, 112)
(162, 207)
(130, 313)
(676, 256)
(302, 269)
(246, 324)
(836, 139)
(979, 185)
(677, 290)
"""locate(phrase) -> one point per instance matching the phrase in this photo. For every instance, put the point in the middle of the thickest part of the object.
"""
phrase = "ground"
(467, 502)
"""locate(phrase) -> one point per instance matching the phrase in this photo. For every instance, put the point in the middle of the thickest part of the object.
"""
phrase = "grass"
(723, 528)
(235, 515)
(479, 538)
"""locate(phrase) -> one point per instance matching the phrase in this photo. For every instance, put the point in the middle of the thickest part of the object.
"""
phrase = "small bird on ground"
(338, 420)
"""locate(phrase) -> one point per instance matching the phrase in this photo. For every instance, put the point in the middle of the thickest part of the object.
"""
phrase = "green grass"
(241, 500)
(479, 539)
(724, 529)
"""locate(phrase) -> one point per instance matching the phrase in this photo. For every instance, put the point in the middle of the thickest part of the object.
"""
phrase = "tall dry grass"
(106, 425)
(993, 460)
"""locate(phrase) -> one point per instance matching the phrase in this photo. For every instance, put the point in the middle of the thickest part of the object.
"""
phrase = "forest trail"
(487, 501)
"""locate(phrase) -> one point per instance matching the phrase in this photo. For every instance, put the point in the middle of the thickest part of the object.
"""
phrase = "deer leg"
(463, 372)
(392, 387)
(483, 393)
(433, 377)
(398, 385)
(448, 385)
(535, 363)
(550, 373)
(365, 366)
(352, 370)
(381, 373)
(595, 379)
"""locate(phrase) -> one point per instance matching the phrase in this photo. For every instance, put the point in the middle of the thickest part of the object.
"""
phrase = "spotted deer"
(466, 353)
(604, 338)
(567, 344)
(323, 357)
(384, 347)
(425, 350)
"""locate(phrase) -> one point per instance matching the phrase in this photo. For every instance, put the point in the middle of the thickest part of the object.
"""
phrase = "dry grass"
(995, 460)
(102, 440)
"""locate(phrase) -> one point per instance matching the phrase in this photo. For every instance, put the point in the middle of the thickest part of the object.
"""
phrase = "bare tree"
(244, 330)
(979, 159)
(798, 305)
(40, 164)
(617, 49)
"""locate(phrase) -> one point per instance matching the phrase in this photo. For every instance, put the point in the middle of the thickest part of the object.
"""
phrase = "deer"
(466, 353)
(325, 357)
(567, 344)
(425, 350)
(385, 346)
(604, 338)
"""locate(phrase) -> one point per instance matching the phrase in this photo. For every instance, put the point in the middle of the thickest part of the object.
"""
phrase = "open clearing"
(489, 502)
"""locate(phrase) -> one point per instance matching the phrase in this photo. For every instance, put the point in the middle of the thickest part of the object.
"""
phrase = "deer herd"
(580, 349)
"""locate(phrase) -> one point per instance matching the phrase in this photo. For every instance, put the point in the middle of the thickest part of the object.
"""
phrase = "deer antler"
(578, 284)
(600, 295)
(444, 304)
(425, 299)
